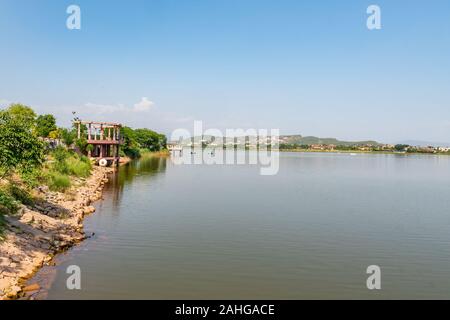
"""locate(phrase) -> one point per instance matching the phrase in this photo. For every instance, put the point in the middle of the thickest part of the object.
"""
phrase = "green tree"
(68, 136)
(150, 140)
(89, 148)
(45, 124)
(81, 144)
(130, 145)
(401, 147)
(19, 147)
(22, 113)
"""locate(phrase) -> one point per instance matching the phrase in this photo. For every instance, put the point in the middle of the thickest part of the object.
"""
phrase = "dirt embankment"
(35, 234)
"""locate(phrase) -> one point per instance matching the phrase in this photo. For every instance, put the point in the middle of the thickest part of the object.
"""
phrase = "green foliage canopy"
(68, 136)
(22, 113)
(19, 147)
(150, 140)
(134, 140)
(45, 124)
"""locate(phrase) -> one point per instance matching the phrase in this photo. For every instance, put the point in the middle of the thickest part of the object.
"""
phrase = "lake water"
(167, 231)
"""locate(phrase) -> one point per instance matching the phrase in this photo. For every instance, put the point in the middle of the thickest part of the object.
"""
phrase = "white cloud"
(143, 105)
(98, 108)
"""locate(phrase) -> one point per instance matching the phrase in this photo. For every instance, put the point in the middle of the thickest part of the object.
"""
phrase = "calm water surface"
(167, 231)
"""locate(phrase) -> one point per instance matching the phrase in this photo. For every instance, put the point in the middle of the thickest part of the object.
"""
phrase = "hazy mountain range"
(309, 140)
(288, 139)
(298, 139)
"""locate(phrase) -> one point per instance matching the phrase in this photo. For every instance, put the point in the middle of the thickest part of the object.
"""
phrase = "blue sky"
(307, 67)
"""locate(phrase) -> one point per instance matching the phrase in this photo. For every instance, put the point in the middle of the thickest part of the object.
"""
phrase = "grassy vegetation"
(2, 226)
(28, 161)
(58, 181)
(64, 165)
(148, 153)
(56, 173)
(8, 205)
(20, 194)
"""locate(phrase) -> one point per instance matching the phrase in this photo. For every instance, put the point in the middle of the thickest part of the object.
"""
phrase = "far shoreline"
(364, 152)
(325, 151)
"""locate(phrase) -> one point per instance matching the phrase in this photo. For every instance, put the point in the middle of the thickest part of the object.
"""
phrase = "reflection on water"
(168, 231)
(147, 166)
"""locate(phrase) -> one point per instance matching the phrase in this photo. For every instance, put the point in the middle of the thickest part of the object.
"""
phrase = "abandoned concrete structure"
(103, 140)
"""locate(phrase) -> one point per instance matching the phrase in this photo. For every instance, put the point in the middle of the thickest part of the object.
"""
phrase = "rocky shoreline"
(35, 234)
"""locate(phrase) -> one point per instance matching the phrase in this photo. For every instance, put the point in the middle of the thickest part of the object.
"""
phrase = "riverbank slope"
(36, 233)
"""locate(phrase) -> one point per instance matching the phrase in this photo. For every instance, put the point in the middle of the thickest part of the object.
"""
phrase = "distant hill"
(298, 139)
(309, 140)
(289, 139)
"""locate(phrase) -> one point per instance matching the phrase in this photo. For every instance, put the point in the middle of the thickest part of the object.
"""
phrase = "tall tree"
(130, 145)
(150, 140)
(22, 113)
(68, 136)
(45, 124)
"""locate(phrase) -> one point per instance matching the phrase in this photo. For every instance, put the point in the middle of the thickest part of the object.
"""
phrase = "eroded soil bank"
(35, 234)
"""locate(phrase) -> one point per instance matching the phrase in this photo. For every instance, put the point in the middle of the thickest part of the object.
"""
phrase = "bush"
(20, 195)
(86, 160)
(33, 178)
(8, 205)
(58, 182)
(2, 226)
(60, 154)
(132, 153)
(81, 144)
(68, 136)
(61, 167)
(66, 164)
(70, 163)
(78, 167)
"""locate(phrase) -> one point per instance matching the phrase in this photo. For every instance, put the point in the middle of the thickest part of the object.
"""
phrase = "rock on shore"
(36, 234)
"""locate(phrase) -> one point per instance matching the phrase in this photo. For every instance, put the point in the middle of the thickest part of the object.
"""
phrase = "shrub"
(132, 153)
(61, 167)
(81, 144)
(60, 154)
(68, 136)
(8, 205)
(2, 226)
(86, 160)
(33, 178)
(69, 163)
(58, 181)
(89, 148)
(20, 195)
(78, 167)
